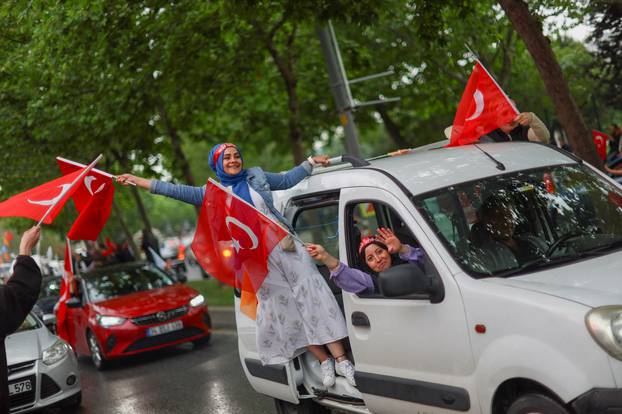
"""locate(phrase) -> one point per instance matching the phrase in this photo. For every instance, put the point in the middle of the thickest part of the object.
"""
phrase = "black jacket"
(17, 298)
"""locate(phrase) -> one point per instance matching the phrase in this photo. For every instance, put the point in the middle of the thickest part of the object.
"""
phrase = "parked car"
(480, 327)
(130, 308)
(42, 369)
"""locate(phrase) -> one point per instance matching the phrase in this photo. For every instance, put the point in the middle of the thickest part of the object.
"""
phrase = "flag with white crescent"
(233, 240)
(483, 108)
(93, 199)
(35, 203)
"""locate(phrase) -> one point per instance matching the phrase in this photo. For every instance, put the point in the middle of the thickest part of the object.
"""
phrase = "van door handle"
(360, 319)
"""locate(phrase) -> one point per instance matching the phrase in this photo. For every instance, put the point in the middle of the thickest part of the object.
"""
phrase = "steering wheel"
(563, 238)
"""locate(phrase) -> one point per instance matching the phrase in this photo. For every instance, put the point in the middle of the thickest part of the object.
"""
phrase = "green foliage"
(123, 78)
(215, 293)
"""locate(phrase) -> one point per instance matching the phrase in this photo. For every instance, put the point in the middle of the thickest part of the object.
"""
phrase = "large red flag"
(34, 203)
(93, 199)
(483, 108)
(600, 140)
(66, 290)
(233, 239)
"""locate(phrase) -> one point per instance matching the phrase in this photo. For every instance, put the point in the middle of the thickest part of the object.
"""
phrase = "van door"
(412, 356)
(279, 380)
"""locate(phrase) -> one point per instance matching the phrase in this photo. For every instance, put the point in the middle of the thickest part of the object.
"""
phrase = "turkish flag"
(34, 203)
(66, 291)
(93, 199)
(483, 108)
(233, 239)
(600, 140)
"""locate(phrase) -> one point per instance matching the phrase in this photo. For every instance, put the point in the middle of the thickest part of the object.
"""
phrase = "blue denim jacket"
(259, 180)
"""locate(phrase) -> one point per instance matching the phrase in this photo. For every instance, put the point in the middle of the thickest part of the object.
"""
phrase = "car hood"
(594, 282)
(27, 345)
(145, 303)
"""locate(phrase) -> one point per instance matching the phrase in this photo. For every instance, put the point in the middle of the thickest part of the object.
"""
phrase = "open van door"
(412, 355)
(279, 381)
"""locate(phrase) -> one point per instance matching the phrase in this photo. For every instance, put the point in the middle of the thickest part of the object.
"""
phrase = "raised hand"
(29, 240)
(389, 239)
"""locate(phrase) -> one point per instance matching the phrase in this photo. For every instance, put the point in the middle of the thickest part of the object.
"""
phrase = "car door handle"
(360, 319)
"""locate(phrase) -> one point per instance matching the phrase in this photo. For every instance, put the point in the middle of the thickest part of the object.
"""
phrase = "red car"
(132, 308)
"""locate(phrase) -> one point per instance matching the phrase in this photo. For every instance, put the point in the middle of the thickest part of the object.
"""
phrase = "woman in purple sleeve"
(378, 252)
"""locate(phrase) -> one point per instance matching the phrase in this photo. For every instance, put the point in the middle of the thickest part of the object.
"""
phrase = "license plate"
(166, 328)
(20, 387)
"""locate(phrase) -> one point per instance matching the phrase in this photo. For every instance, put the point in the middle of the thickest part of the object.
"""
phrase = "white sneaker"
(328, 372)
(346, 369)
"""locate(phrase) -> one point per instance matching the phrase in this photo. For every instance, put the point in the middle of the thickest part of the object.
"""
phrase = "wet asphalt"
(174, 380)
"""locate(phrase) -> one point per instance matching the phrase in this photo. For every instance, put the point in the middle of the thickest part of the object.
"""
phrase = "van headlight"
(197, 301)
(108, 321)
(55, 353)
(605, 325)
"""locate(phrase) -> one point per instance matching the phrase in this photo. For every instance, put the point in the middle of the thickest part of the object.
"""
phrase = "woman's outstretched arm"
(283, 181)
(186, 193)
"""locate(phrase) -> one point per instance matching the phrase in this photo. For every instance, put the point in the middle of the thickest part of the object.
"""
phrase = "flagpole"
(217, 184)
(73, 183)
(493, 79)
(104, 173)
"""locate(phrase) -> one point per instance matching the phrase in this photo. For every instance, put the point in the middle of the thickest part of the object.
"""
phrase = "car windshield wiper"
(541, 262)
(605, 248)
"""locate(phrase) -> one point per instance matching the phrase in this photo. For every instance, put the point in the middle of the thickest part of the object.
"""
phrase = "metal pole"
(339, 87)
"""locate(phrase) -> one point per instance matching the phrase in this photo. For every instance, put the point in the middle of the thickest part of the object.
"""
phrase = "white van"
(518, 308)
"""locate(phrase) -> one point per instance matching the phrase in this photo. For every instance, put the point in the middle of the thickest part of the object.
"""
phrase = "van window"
(319, 225)
(518, 222)
(363, 219)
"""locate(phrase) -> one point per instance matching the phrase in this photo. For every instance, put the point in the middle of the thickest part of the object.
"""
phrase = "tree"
(530, 30)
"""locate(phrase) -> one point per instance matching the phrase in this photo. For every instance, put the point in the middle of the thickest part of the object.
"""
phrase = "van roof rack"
(349, 159)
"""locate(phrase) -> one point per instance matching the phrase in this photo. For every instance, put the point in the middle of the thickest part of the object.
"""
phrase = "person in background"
(614, 144)
(525, 127)
(17, 299)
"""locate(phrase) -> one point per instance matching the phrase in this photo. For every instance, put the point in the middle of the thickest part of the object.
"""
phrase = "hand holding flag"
(483, 108)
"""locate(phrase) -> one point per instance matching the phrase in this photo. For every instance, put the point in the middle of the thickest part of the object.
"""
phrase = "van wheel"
(536, 404)
(304, 407)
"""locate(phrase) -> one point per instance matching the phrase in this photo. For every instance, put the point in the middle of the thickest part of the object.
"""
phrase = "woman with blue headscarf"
(296, 310)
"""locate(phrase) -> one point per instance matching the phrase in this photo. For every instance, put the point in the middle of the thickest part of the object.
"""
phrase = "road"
(175, 380)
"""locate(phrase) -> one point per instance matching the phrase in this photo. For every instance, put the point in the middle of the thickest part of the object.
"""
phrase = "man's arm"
(20, 293)
(537, 130)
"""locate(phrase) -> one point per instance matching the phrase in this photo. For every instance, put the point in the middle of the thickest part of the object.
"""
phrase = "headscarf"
(237, 181)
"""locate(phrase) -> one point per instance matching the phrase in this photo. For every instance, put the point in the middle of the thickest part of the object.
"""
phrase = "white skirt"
(296, 308)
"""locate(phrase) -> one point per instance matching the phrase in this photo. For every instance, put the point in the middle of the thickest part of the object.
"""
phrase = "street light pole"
(339, 87)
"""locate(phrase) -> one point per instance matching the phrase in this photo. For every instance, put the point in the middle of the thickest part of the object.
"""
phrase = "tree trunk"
(126, 230)
(530, 30)
(391, 127)
(139, 202)
(180, 158)
(285, 66)
(508, 53)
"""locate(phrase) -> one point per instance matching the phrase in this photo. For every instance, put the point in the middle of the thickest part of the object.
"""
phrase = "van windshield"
(526, 221)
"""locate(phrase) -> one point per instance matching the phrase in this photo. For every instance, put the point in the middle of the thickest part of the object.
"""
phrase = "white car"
(517, 308)
(42, 369)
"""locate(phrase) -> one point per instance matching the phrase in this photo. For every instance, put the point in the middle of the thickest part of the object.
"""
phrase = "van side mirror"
(74, 302)
(408, 279)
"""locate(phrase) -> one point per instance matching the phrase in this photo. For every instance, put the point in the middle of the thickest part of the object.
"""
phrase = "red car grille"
(160, 317)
